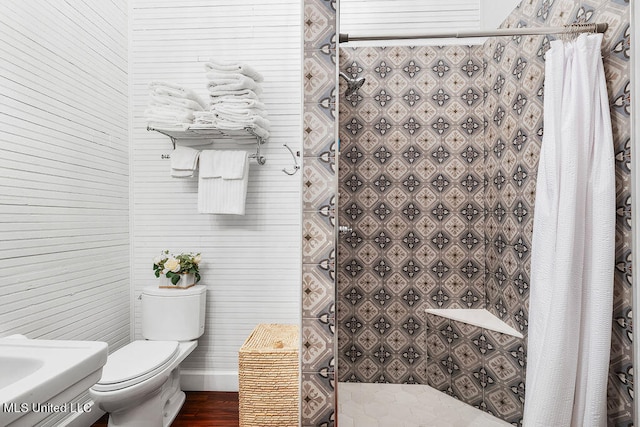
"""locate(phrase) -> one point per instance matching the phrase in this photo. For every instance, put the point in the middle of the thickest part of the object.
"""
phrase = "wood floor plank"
(203, 409)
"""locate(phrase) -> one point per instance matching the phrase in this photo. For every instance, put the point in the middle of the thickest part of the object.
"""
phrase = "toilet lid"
(137, 359)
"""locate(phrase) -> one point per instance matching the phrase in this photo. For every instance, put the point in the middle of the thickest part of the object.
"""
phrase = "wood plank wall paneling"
(251, 263)
(64, 176)
(383, 17)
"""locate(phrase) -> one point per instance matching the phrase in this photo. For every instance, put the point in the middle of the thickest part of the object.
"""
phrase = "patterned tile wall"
(395, 262)
(318, 301)
(481, 367)
(319, 194)
(411, 188)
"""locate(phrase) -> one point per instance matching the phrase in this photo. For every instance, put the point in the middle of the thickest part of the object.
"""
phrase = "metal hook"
(296, 166)
(261, 160)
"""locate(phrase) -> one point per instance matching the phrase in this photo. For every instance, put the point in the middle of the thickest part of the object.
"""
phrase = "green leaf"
(175, 279)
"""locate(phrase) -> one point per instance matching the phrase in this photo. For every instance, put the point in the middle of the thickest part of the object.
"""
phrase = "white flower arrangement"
(172, 266)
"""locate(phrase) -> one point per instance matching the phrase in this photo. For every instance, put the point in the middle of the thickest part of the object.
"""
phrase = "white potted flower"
(177, 271)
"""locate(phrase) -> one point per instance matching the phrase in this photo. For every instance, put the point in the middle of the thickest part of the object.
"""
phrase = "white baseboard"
(201, 380)
(84, 419)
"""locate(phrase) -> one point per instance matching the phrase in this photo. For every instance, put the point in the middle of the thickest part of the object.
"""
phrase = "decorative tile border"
(319, 195)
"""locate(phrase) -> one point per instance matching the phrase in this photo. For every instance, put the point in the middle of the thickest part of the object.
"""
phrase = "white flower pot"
(187, 280)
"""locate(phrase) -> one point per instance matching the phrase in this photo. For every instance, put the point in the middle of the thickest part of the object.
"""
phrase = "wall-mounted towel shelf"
(195, 133)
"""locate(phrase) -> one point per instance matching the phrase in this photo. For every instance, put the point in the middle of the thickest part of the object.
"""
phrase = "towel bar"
(196, 133)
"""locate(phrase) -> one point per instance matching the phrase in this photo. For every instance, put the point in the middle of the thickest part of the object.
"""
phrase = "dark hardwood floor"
(203, 409)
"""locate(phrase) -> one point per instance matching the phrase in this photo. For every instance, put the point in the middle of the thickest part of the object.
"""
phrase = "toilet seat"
(135, 363)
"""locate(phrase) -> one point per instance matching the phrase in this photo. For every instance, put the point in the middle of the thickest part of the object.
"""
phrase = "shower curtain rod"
(566, 29)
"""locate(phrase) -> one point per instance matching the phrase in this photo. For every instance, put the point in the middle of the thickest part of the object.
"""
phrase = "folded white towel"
(153, 116)
(234, 84)
(228, 116)
(236, 101)
(245, 93)
(250, 121)
(169, 110)
(166, 123)
(238, 113)
(183, 93)
(204, 114)
(259, 125)
(184, 161)
(228, 67)
(159, 100)
(257, 130)
(165, 84)
(175, 173)
(215, 76)
(219, 195)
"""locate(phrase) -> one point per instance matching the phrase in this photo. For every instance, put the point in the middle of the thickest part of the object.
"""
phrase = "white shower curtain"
(573, 248)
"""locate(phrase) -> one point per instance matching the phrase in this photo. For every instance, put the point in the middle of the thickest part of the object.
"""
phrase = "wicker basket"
(268, 377)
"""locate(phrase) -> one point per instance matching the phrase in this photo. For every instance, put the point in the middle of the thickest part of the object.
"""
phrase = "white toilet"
(140, 384)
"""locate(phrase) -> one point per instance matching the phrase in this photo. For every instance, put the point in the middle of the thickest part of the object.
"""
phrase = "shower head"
(353, 84)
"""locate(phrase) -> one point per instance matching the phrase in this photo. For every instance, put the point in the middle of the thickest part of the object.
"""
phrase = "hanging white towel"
(223, 181)
(184, 162)
(573, 249)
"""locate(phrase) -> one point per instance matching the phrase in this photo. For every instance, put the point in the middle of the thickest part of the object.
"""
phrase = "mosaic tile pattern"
(510, 159)
(411, 188)
(480, 367)
(430, 203)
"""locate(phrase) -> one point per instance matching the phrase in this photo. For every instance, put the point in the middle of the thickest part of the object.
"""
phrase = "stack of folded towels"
(234, 96)
(172, 105)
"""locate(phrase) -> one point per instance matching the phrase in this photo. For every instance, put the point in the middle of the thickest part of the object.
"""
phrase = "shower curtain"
(572, 258)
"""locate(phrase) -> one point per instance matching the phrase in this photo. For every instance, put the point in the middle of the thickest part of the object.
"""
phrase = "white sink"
(38, 376)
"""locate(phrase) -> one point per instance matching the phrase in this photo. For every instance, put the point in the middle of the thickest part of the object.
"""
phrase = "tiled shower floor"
(402, 405)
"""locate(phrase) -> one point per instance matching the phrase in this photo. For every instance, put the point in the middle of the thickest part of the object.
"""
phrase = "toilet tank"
(173, 314)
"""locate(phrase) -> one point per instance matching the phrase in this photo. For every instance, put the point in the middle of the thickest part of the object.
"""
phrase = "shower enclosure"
(510, 123)
(437, 170)
(412, 188)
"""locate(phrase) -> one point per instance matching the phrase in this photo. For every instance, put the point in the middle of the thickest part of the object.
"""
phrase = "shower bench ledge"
(475, 316)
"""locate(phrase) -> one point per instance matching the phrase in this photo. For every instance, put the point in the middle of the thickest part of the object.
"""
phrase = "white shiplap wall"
(64, 175)
(410, 17)
(397, 17)
(251, 263)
